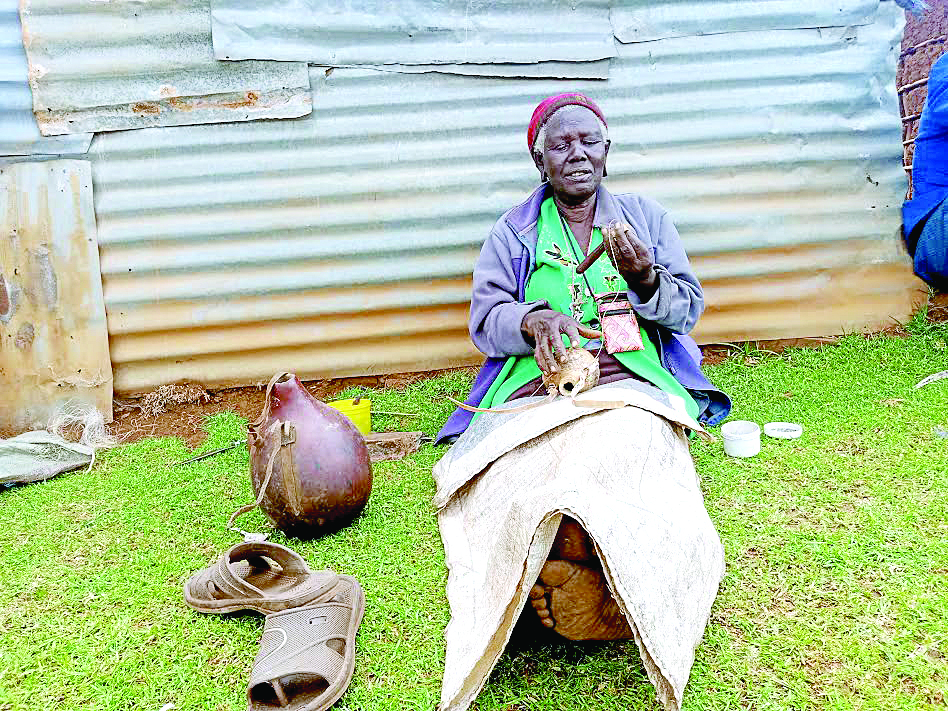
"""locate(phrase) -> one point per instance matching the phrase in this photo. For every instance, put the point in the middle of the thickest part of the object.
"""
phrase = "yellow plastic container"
(359, 412)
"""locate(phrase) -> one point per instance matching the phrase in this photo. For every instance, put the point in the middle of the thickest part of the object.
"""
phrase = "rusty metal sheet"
(19, 134)
(342, 243)
(413, 31)
(54, 345)
(645, 20)
(108, 66)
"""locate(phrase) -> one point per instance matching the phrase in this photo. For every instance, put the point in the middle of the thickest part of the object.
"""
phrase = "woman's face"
(574, 156)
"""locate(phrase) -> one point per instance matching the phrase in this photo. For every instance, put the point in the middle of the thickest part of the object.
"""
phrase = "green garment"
(556, 282)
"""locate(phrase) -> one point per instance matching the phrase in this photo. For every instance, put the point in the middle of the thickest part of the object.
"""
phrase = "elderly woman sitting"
(527, 292)
(528, 295)
(529, 303)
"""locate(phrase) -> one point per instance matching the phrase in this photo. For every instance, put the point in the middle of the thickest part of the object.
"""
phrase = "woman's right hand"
(546, 328)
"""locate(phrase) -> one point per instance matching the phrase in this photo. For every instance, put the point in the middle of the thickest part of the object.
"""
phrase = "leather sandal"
(307, 655)
(262, 576)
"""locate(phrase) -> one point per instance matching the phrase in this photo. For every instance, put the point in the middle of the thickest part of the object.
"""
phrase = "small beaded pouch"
(620, 328)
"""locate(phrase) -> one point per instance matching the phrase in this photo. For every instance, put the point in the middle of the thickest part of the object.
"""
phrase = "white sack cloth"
(39, 455)
(627, 476)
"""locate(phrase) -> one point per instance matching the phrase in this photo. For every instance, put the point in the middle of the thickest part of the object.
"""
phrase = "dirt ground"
(185, 420)
(132, 423)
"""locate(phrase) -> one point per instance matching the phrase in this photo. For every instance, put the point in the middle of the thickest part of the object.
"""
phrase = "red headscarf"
(546, 108)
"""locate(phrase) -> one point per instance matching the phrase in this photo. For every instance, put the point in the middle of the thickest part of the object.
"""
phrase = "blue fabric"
(930, 162)
(931, 250)
(461, 418)
(516, 235)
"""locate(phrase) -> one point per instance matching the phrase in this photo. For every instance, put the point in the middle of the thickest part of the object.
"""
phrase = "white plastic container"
(783, 430)
(741, 438)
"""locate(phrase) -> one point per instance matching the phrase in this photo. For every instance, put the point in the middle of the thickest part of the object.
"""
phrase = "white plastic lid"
(783, 430)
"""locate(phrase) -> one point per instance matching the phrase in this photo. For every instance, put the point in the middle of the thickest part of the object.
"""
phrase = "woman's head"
(569, 141)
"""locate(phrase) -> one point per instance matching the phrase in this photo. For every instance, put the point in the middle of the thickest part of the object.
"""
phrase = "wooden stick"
(593, 256)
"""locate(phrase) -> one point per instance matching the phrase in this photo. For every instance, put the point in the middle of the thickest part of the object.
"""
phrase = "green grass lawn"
(835, 595)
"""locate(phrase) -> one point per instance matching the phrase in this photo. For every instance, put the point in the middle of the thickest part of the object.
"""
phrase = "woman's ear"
(605, 159)
(538, 161)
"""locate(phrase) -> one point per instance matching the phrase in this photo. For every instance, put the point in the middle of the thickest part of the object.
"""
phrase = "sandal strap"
(294, 642)
(315, 658)
(226, 586)
(226, 577)
(321, 619)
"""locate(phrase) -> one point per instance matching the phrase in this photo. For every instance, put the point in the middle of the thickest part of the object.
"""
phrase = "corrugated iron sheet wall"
(413, 31)
(54, 347)
(19, 134)
(107, 66)
(343, 243)
(644, 20)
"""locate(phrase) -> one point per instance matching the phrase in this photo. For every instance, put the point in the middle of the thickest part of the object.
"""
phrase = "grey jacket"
(504, 267)
(497, 306)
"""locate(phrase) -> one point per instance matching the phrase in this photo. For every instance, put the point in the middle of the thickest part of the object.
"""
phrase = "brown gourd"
(309, 465)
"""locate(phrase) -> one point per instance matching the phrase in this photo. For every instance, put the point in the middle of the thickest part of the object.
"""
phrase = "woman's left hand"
(632, 259)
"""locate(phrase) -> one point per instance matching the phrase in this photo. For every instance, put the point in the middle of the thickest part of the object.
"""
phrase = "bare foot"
(572, 543)
(573, 600)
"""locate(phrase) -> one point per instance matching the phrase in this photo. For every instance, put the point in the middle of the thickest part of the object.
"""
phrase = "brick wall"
(924, 41)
